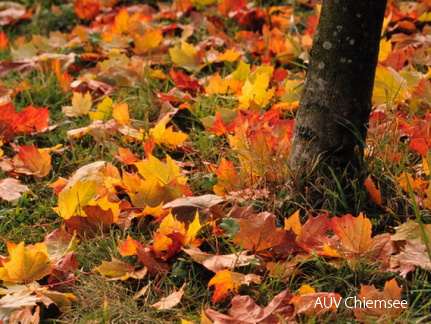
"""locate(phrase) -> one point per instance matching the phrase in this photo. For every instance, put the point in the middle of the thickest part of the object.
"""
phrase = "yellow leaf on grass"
(389, 86)
(26, 264)
(193, 230)
(121, 113)
(227, 177)
(229, 56)
(81, 105)
(166, 136)
(186, 57)
(104, 109)
(242, 72)
(254, 95)
(72, 199)
(164, 172)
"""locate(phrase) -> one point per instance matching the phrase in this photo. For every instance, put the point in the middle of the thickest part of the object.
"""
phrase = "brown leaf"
(245, 311)
(217, 263)
(259, 235)
(184, 209)
(11, 189)
(413, 255)
(155, 266)
(170, 301)
(98, 221)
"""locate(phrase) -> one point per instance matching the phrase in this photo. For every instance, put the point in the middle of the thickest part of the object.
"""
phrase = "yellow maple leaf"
(104, 109)
(385, 49)
(121, 113)
(193, 230)
(242, 72)
(164, 172)
(26, 264)
(186, 57)
(81, 105)
(147, 42)
(389, 86)
(166, 136)
(229, 56)
(72, 199)
(254, 95)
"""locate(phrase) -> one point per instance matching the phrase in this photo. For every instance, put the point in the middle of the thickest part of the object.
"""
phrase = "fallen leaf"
(119, 270)
(218, 263)
(81, 104)
(26, 264)
(245, 311)
(227, 281)
(380, 308)
(11, 189)
(185, 56)
(170, 301)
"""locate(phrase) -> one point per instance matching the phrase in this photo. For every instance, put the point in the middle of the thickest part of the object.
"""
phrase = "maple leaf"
(227, 6)
(227, 177)
(170, 301)
(166, 136)
(379, 309)
(119, 270)
(33, 161)
(11, 189)
(254, 94)
(218, 86)
(59, 243)
(307, 301)
(245, 311)
(104, 110)
(30, 120)
(73, 198)
(149, 41)
(217, 263)
(26, 264)
(121, 113)
(87, 9)
(186, 57)
(259, 235)
(81, 104)
(227, 281)
(413, 254)
(129, 246)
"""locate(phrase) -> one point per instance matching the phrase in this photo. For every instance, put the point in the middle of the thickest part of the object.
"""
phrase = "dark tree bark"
(335, 106)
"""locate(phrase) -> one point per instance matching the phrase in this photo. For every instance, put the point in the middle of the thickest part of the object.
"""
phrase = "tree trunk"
(334, 109)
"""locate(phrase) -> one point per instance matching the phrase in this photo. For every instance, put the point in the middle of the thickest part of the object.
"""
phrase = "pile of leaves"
(165, 128)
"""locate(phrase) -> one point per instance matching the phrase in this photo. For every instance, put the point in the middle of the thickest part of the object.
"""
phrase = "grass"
(99, 300)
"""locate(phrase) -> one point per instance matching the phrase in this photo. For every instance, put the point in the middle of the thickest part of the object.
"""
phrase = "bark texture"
(336, 102)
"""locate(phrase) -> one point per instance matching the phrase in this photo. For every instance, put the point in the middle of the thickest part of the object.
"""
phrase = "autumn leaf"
(30, 120)
(73, 198)
(217, 263)
(166, 136)
(310, 302)
(227, 177)
(37, 162)
(121, 113)
(170, 301)
(81, 104)
(149, 41)
(227, 6)
(259, 235)
(87, 9)
(375, 194)
(119, 270)
(227, 281)
(104, 110)
(254, 95)
(379, 303)
(245, 311)
(185, 56)
(26, 264)
(129, 247)
(11, 189)
(4, 41)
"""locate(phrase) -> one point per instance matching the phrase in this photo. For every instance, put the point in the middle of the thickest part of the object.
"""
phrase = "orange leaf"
(227, 177)
(380, 305)
(226, 281)
(4, 41)
(30, 120)
(226, 6)
(119, 270)
(354, 233)
(87, 9)
(375, 194)
(37, 162)
(129, 247)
